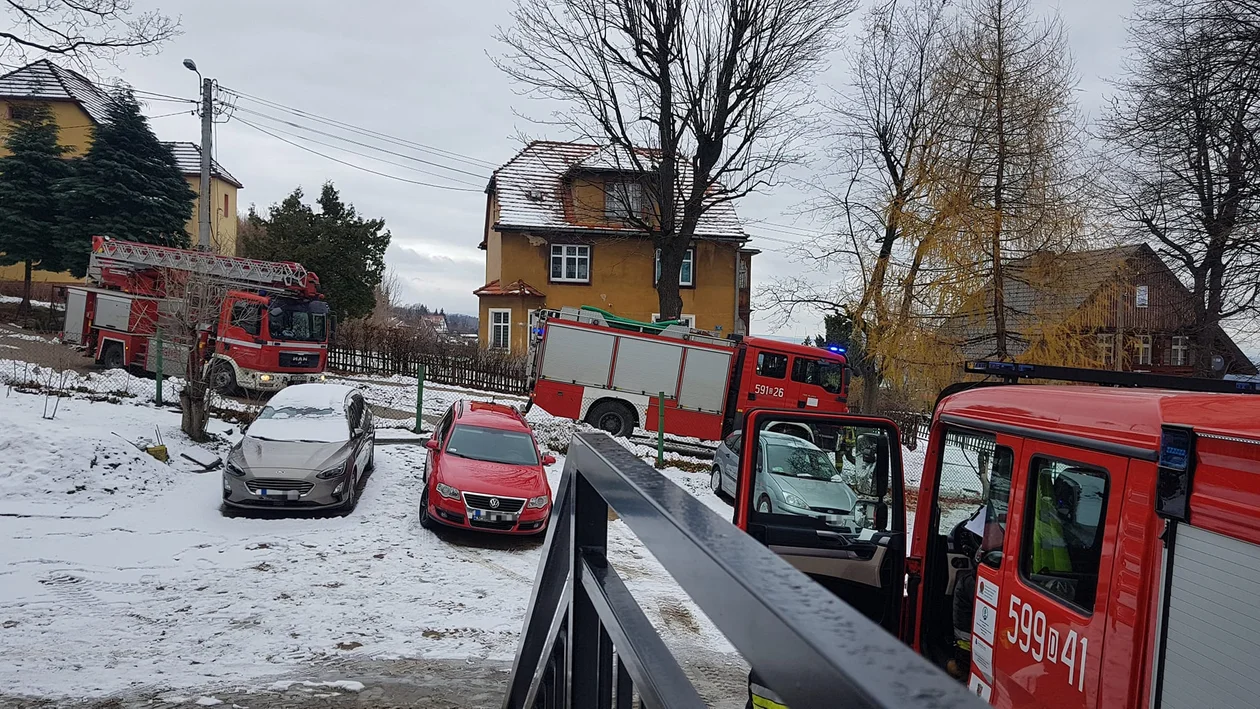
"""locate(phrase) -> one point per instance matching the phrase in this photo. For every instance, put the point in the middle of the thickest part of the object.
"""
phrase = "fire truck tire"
(223, 378)
(112, 356)
(614, 417)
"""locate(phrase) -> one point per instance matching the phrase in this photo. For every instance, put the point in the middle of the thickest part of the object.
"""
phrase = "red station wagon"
(483, 471)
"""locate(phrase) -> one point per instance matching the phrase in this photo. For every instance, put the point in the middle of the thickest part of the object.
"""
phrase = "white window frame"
(691, 319)
(689, 259)
(623, 200)
(1144, 350)
(494, 326)
(1180, 350)
(581, 253)
(1106, 344)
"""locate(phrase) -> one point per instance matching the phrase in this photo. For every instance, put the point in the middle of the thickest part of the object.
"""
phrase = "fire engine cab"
(589, 365)
(1064, 546)
(259, 325)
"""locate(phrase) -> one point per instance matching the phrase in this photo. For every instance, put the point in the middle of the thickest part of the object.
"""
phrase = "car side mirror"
(549, 459)
(431, 444)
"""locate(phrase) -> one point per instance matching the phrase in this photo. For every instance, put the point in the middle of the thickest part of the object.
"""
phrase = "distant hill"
(455, 322)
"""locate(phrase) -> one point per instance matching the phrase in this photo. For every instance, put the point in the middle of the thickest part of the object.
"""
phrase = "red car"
(484, 472)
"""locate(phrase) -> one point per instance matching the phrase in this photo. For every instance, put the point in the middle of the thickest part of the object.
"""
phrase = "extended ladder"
(124, 255)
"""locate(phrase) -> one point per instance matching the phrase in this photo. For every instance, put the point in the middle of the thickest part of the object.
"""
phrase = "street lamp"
(207, 123)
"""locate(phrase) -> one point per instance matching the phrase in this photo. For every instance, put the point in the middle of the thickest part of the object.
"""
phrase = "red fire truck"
(588, 365)
(1071, 546)
(261, 325)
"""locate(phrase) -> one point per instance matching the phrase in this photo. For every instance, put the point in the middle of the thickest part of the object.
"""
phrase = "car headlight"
(447, 491)
(264, 377)
(234, 470)
(537, 503)
(794, 501)
(332, 472)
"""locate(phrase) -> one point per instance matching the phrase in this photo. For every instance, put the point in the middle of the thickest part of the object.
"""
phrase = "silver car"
(725, 475)
(309, 448)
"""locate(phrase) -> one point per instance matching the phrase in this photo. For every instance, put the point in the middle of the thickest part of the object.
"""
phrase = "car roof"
(1125, 416)
(316, 395)
(489, 415)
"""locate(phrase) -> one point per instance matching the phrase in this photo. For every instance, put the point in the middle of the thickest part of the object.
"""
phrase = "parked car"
(309, 448)
(483, 471)
(726, 457)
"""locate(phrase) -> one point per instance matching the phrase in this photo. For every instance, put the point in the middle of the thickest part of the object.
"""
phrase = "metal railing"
(587, 643)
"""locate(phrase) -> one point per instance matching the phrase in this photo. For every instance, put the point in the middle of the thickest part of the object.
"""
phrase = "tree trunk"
(192, 403)
(24, 308)
(870, 393)
(667, 289)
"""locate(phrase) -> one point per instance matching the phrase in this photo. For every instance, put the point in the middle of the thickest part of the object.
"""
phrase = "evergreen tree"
(28, 203)
(128, 186)
(344, 249)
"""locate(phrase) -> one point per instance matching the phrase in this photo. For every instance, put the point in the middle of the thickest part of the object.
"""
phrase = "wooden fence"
(365, 349)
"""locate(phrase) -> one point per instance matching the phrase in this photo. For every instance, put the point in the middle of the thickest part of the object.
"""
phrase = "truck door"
(817, 384)
(825, 492)
(240, 332)
(765, 382)
(1052, 578)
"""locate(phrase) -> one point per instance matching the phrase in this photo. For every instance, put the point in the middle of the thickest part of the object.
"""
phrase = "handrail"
(586, 642)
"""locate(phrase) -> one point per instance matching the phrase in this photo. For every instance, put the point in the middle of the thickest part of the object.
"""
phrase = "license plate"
(287, 494)
(483, 515)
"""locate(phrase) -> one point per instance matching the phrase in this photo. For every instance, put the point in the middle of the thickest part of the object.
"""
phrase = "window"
(500, 329)
(828, 375)
(493, 445)
(686, 272)
(623, 201)
(1063, 530)
(571, 263)
(732, 442)
(1106, 348)
(690, 320)
(247, 317)
(1144, 349)
(974, 492)
(225, 206)
(771, 365)
(296, 322)
(1180, 351)
(1142, 298)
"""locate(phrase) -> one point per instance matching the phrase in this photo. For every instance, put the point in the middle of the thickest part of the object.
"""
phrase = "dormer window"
(623, 201)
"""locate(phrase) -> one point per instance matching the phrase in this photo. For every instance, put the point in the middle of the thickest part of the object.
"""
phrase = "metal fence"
(587, 642)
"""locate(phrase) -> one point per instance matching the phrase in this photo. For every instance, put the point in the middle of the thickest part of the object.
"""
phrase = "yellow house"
(79, 106)
(553, 239)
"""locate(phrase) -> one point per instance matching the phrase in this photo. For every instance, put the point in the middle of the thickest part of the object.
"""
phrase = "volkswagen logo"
(494, 503)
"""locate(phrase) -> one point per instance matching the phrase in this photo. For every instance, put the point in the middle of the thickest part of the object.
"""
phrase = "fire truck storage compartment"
(647, 367)
(112, 312)
(704, 380)
(76, 308)
(1212, 643)
(577, 356)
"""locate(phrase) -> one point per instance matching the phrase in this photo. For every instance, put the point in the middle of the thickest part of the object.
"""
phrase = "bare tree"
(700, 101)
(81, 30)
(1184, 134)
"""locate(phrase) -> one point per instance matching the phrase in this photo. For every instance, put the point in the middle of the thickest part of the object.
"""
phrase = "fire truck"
(256, 325)
(589, 365)
(1068, 546)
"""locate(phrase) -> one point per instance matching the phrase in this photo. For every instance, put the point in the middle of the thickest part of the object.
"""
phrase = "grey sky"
(421, 71)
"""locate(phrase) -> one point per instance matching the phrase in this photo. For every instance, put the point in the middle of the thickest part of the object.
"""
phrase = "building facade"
(555, 237)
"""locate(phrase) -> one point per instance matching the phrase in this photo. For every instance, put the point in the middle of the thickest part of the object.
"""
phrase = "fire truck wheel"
(112, 356)
(613, 417)
(223, 378)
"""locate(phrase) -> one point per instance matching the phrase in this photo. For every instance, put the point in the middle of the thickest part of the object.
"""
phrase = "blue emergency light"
(836, 348)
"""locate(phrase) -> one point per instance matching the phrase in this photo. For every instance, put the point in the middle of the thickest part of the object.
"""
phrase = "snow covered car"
(308, 448)
(483, 471)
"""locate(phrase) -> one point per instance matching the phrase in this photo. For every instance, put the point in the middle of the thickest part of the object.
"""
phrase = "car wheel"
(612, 417)
(352, 499)
(715, 481)
(764, 506)
(425, 521)
(371, 466)
(223, 378)
(112, 356)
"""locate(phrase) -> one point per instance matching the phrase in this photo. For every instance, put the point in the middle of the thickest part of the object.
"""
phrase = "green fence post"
(419, 397)
(158, 398)
(660, 431)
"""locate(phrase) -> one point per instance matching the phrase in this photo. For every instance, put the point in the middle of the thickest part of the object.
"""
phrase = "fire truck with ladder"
(1085, 545)
(256, 325)
(590, 365)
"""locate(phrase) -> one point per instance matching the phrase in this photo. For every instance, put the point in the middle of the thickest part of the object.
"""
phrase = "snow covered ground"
(120, 574)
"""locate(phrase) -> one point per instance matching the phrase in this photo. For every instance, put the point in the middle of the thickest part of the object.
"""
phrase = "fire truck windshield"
(296, 322)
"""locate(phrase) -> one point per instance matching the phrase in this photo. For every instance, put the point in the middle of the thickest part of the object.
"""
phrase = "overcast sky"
(422, 71)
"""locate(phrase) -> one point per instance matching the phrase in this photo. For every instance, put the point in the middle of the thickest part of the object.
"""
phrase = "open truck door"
(825, 491)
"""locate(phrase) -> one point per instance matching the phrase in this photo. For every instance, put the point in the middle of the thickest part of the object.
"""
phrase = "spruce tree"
(28, 202)
(128, 186)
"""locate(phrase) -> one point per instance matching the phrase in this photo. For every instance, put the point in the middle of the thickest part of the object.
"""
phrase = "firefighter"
(761, 696)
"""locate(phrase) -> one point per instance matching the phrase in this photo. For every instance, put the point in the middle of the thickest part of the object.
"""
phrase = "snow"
(208, 701)
(345, 685)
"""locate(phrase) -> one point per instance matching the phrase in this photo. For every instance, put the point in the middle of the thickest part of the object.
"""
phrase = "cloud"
(435, 279)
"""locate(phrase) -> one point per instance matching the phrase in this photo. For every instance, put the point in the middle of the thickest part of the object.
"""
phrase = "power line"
(364, 131)
(350, 164)
(369, 157)
(361, 144)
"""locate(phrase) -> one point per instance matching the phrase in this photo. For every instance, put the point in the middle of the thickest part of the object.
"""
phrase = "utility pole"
(207, 132)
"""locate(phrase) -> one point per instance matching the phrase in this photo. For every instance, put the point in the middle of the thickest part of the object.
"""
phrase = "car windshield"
(824, 373)
(287, 323)
(493, 445)
(801, 462)
(296, 412)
